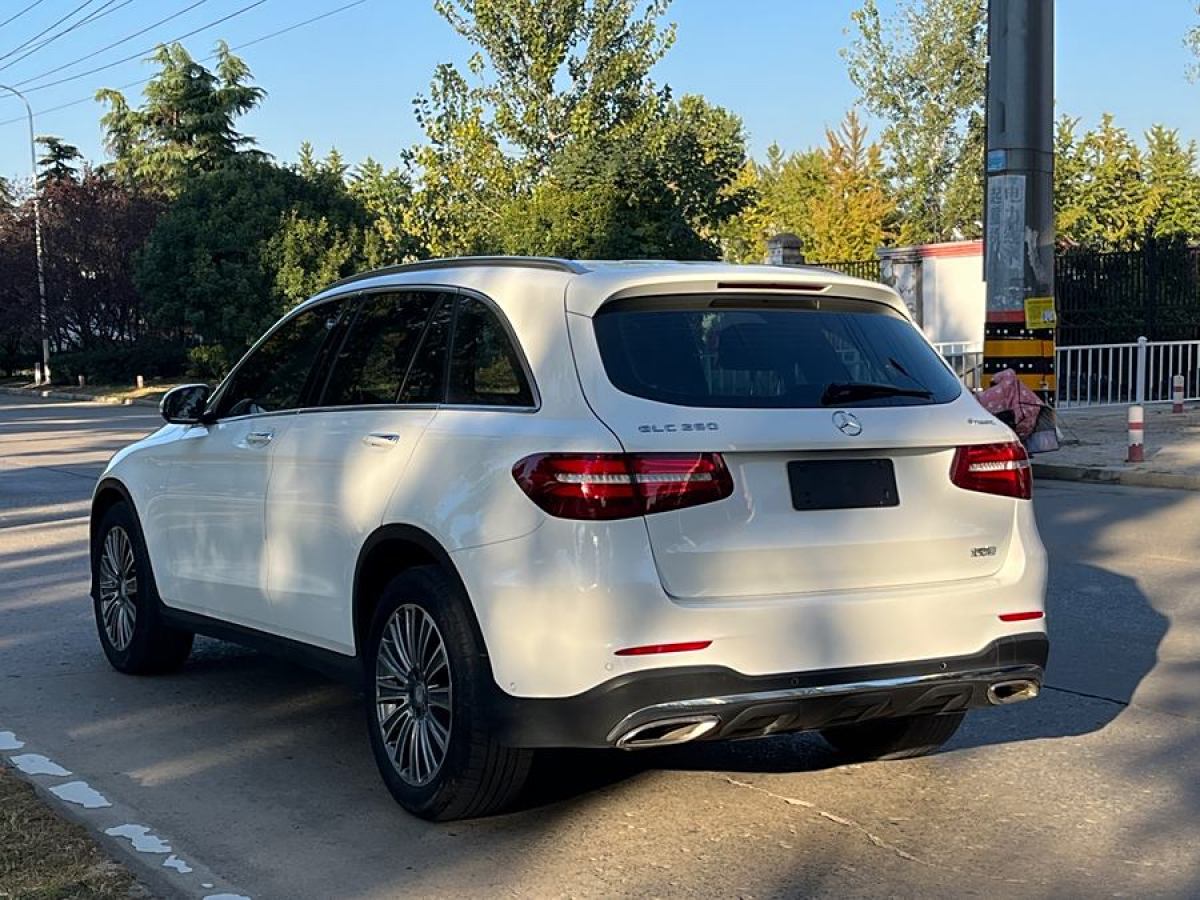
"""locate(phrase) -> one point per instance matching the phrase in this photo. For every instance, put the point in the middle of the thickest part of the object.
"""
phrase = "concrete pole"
(1019, 201)
(37, 235)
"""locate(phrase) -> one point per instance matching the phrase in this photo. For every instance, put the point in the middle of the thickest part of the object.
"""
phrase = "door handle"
(259, 438)
(381, 439)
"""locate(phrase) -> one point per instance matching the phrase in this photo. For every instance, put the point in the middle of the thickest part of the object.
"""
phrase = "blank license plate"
(843, 484)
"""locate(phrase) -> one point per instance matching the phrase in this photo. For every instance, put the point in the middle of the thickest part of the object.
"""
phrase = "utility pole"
(1019, 202)
(37, 235)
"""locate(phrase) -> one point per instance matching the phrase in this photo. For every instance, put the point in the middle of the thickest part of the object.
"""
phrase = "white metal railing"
(966, 358)
(1138, 372)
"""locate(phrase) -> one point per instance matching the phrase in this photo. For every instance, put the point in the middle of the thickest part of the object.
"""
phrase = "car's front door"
(213, 520)
(342, 458)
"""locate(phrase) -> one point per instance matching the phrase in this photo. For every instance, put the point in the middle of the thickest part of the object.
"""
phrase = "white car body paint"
(81, 794)
(140, 837)
(8, 741)
(36, 764)
(254, 536)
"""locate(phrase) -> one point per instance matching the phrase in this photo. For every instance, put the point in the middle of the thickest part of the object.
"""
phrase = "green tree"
(558, 92)
(1171, 207)
(8, 196)
(550, 70)
(58, 161)
(465, 177)
(387, 195)
(851, 215)
(785, 188)
(239, 246)
(186, 125)
(660, 191)
(923, 72)
(1101, 193)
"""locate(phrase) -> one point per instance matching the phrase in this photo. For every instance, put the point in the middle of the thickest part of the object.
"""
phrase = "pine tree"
(186, 125)
(852, 213)
(57, 162)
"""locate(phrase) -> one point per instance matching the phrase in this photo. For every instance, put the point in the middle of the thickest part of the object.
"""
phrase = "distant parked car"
(540, 503)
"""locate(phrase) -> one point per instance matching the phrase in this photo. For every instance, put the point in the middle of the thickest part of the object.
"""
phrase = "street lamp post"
(37, 235)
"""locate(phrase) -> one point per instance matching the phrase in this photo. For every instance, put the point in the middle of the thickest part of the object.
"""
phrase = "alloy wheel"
(413, 694)
(118, 587)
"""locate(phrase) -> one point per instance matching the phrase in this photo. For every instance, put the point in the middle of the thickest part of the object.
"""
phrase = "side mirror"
(184, 405)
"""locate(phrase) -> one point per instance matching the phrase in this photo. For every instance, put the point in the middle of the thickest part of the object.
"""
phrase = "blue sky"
(349, 80)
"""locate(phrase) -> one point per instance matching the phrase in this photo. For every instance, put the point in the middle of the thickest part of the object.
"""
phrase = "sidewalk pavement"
(1096, 442)
(53, 393)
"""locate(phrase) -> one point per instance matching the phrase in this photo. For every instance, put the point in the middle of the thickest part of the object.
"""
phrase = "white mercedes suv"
(536, 503)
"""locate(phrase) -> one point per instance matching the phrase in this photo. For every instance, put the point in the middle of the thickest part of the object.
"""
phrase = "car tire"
(900, 738)
(434, 749)
(125, 600)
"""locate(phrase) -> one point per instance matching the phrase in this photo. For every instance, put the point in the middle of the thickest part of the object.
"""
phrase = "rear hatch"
(837, 420)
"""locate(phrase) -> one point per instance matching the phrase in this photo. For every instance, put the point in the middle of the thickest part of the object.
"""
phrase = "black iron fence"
(870, 269)
(1106, 298)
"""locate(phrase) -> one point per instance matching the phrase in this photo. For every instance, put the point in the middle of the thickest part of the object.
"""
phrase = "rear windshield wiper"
(850, 391)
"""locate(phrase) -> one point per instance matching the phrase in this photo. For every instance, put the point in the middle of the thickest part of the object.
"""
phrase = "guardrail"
(966, 358)
(1138, 372)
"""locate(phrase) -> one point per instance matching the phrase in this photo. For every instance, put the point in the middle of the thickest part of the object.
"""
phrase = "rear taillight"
(994, 469)
(621, 485)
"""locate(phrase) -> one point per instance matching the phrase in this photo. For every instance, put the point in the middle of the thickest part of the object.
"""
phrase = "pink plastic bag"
(1007, 393)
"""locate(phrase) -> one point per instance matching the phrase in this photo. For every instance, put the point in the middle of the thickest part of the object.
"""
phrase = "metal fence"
(870, 269)
(1139, 371)
(966, 358)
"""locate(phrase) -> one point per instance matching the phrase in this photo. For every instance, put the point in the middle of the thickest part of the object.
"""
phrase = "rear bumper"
(658, 706)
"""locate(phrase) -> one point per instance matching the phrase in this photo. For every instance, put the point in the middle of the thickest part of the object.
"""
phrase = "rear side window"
(273, 377)
(759, 352)
(426, 375)
(375, 357)
(484, 367)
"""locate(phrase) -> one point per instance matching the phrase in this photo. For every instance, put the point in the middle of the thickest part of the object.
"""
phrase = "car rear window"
(766, 352)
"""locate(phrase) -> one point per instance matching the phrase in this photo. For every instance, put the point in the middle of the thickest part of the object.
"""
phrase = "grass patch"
(45, 857)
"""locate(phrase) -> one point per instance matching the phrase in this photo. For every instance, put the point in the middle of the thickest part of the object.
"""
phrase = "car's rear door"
(836, 487)
(343, 456)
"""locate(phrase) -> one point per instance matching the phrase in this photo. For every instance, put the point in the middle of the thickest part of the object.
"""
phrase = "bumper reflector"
(664, 648)
(1021, 616)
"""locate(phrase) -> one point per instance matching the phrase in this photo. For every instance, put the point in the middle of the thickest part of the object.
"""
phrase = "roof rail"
(459, 262)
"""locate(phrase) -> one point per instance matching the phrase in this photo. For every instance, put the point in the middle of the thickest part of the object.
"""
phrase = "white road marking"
(141, 838)
(226, 897)
(36, 764)
(174, 862)
(81, 794)
(8, 741)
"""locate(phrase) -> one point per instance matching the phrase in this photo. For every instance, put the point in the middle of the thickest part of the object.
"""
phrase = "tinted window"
(372, 362)
(273, 376)
(426, 375)
(484, 367)
(723, 353)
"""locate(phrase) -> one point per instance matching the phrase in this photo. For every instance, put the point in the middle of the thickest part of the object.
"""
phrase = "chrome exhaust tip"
(667, 732)
(1014, 691)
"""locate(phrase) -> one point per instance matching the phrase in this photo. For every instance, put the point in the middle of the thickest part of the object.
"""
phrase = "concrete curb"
(1116, 475)
(52, 394)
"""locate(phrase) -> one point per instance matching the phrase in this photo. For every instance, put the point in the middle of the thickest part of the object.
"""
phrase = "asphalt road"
(259, 775)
